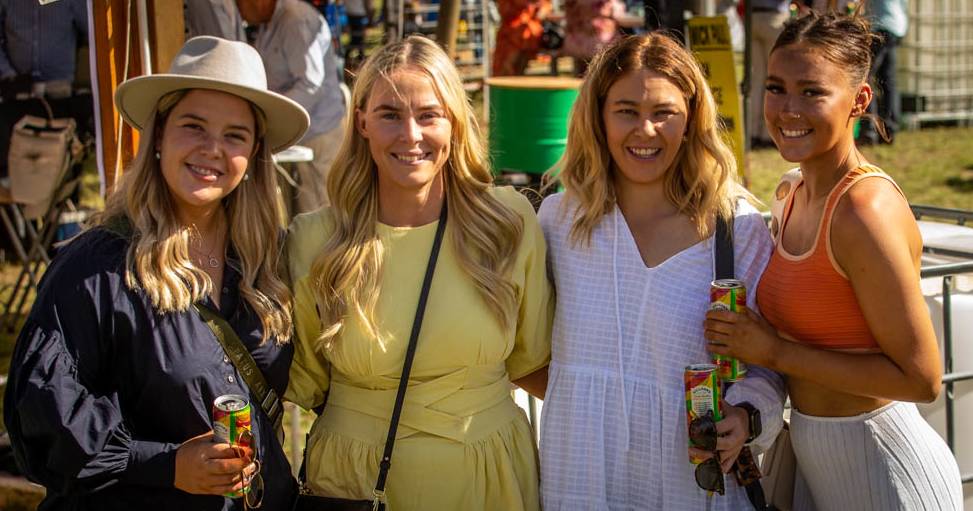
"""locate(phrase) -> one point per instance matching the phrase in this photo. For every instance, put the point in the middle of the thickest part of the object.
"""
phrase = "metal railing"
(950, 378)
(956, 215)
(948, 272)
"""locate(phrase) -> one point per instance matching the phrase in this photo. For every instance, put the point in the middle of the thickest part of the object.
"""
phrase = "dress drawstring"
(618, 327)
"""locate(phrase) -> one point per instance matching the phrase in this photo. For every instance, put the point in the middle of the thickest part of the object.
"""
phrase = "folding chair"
(43, 178)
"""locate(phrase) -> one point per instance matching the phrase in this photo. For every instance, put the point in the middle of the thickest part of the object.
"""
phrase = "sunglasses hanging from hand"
(253, 482)
(703, 435)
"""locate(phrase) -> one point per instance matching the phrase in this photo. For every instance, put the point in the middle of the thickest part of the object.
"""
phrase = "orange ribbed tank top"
(807, 297)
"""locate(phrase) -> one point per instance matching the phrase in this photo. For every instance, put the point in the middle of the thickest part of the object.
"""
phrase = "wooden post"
(167, 32)
(116, 53)
(116, 41)
(447, 26)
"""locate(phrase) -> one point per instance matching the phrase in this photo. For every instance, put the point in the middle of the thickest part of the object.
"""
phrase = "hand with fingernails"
(204, 467)
(731, 433)
(745, 336)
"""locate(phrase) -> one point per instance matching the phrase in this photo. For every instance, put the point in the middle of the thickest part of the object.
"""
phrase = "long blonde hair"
(484, 232)
(158, 259)
(700, 181)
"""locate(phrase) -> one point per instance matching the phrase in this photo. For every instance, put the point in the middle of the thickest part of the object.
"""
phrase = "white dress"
(613, 431)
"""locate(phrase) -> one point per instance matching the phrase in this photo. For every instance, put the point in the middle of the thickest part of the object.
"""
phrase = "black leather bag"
(309, 502)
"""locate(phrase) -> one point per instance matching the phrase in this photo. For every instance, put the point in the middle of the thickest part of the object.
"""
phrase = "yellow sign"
(709, 38)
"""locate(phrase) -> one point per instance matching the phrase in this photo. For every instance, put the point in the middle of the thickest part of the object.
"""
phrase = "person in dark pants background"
(38, 60)
(890, 21)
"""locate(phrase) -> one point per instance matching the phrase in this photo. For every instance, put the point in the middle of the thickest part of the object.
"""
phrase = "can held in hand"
(729, 295)
(231, 425)
(703, 395)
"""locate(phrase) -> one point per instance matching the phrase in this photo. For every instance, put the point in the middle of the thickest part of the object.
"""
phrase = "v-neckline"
(623, 231)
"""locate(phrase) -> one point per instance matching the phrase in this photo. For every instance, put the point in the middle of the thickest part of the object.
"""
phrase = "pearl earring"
(246, 177)
(157, 155)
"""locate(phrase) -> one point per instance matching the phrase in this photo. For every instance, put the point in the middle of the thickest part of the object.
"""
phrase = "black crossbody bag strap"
(231, 343)
(724, 249)
(378, 502)
(410, 355)
(245, 365)
(724, 269)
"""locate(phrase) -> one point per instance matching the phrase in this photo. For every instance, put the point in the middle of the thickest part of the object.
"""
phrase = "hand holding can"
(206, 467)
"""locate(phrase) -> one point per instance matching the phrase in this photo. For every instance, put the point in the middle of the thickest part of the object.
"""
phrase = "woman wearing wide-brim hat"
(113, 380)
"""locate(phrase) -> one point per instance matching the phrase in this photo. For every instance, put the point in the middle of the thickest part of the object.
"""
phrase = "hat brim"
(287, 121)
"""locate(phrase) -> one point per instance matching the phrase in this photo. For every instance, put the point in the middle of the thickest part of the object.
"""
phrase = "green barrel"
(529, 121)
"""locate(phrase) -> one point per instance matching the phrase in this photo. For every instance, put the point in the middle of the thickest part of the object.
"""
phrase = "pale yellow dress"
(462, 443)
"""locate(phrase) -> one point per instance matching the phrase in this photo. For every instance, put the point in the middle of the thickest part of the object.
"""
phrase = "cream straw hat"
(212, 63)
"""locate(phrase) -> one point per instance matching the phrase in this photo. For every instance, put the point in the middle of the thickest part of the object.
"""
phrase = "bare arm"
(882, 264)
(534, 383)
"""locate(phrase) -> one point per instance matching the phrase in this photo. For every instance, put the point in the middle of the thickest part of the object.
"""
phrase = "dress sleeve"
(62, 408)
(309, 374)
(535, 315)
(762, 388)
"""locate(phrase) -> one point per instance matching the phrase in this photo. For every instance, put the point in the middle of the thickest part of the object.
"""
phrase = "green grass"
(933, 167)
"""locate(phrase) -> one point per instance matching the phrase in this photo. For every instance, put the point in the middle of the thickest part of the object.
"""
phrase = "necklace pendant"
(214, 262)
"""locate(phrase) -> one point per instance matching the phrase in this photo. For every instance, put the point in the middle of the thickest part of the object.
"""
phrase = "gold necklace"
(210, 260)
(207, 257)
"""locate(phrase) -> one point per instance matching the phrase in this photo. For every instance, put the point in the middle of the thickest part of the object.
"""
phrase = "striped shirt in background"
(41, 40)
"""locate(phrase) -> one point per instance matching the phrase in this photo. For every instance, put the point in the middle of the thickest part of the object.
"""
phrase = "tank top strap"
(850, 179)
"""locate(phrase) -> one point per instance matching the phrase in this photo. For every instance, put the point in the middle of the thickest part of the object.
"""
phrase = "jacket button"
(229, 378)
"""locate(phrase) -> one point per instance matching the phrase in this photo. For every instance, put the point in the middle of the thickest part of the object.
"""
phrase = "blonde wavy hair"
(700, 182)
(158, 258)
(484, 232)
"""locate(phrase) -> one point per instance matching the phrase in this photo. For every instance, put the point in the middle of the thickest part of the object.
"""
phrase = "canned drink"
(231, 425)
(703, 395)
(729, 295)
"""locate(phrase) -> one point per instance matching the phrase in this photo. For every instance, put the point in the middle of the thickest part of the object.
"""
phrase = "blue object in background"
(336, 16)
(67, 231)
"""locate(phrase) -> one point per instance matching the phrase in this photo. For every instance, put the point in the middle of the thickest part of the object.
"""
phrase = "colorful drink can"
(703, 394)
(231, 425)
(729, 295)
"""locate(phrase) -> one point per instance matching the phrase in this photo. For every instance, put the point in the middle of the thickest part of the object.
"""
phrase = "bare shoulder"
(872, 219)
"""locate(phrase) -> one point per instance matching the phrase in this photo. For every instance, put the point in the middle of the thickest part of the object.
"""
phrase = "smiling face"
(408, 130)
(206, 144)
(810, 105)
(645, 117)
